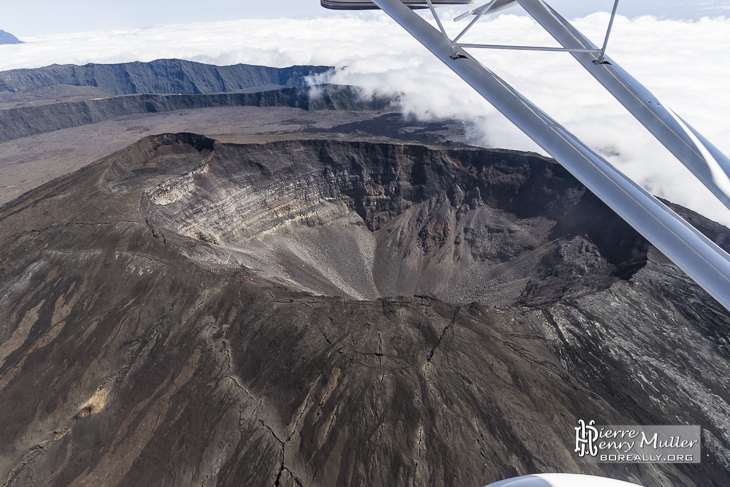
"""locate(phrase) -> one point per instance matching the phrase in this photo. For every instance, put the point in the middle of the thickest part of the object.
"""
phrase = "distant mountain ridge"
(32, 120)
(163, 76)
(8, 38)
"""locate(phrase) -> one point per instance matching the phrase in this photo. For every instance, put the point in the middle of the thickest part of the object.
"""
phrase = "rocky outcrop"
(32, 120)
(8, 38)
(154, 328)
(163, 76)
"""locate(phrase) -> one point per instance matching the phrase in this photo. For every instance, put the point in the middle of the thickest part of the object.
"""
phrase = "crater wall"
(367, 219)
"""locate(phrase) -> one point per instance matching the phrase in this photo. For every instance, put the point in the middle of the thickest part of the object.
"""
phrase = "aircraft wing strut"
(705, 161)
(698, 256)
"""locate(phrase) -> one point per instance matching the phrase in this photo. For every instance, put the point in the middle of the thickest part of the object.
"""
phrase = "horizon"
(34, 18)
(676, 60)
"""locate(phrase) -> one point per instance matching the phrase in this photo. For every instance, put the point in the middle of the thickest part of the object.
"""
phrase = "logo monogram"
(585, 438)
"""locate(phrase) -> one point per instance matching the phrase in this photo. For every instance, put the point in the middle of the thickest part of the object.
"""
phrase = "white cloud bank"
(682, 62)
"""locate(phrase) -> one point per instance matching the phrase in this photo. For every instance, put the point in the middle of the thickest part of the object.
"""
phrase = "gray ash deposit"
(306, 311)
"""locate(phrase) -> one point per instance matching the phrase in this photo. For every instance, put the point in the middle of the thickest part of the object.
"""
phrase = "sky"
(44, 17)
(674, 49)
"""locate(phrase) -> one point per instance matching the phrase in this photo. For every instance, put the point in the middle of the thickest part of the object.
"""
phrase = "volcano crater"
(375, 218)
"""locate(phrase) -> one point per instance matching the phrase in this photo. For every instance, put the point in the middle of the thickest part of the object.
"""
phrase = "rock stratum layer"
(314, 312)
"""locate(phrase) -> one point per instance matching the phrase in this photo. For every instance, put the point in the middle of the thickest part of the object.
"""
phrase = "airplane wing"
(699, 257)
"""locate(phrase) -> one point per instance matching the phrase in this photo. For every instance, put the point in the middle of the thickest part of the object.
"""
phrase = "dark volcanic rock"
(32, 120)
(172, 76)
(154, 328)
(8, 38)
(397, 126)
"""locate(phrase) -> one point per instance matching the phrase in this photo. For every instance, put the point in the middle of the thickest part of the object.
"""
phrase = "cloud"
(679, 61)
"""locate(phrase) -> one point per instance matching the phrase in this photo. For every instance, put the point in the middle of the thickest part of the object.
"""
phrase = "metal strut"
(705, 161)
(601, 59)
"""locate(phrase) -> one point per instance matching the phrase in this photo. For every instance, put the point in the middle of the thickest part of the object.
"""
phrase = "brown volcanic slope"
(191, 312)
